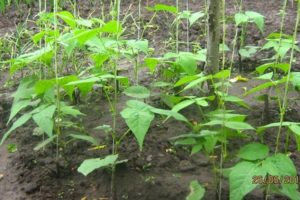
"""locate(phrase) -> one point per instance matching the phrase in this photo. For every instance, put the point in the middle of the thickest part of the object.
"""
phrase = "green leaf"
(238, 125)
(241, 179)
(139, 45)
(44, 143)
(281, 165)
(17, 107)
(70, 110)
(112, 27)
(186, 141)
(169, 113)
(44, 119)
(187, 63)
(138, 118)
(151, 63)
(196, 82)
(187, 79)
(12, 148)
(68, 18)
(183, 105)
(90, 165)
(196, 191)
(222, 74)
(257, 18)
(282, 66)
(230, 124)
(260, 87)
(86, 138)
(161, 84)
(163, 7)
(295, 129)
(254, 151)
(42, 86)
(84, 22)
(240, 18)
(84, 35)
(195, 16)
(22, 120)
(140, 92)
(236, 100)
(276, 124)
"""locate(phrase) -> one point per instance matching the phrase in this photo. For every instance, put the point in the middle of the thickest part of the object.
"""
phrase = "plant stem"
(115, 101)
(56, 70)
(188, 29)
(286, 88)
(177, 27)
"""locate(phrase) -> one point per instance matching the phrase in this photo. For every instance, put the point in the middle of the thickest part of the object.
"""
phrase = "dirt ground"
(161, 171)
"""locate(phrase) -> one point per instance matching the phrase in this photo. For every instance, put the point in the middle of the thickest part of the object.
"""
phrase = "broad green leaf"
(187, 63)
(25, 89)
(138, 91)
(224, 47)
(282, 66)
(241, 179)
(183, 105)
(42, 86)
(83, 35)
(169, 113)
(90, 165)
(196, 148)
(282, 166)
(257, 18)
(295, 79)
(295, 129)
(195, 16)
(279, 165)
(231, 124)
(17, 107)
(201, 102)
(238, 125)
(196, 82)
(69, 89)
(222, 74)
(84, 22)
(260, 87)
(187, 79)
(139, 45)
(161, 84)
(240, 18)
(151, 63)
(112, 27)
(44, 119)
(276, 124)
(70, 110)
(196, 191)
(163, 7)
(43, 55)
(236, 100)
(138, 119)
(68, 18)
(44, 143)
(186, 141)
(86, 138)
(253, 151)
(19, 122)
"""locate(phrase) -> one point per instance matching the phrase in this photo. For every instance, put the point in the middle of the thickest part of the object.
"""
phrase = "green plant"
(242, 19)
(259, 169)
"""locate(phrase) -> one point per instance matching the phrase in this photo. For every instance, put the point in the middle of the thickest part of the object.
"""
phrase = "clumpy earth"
(161, 171)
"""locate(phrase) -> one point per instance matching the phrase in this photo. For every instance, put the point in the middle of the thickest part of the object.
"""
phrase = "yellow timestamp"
(264, 180)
